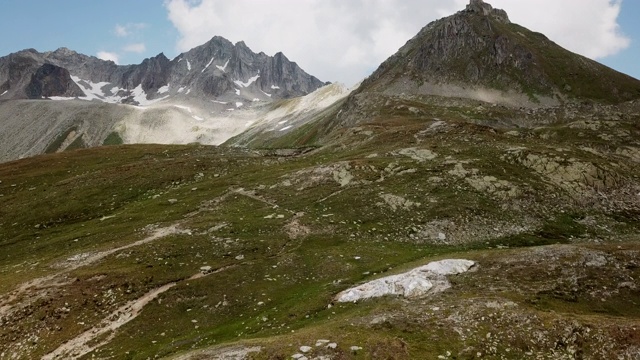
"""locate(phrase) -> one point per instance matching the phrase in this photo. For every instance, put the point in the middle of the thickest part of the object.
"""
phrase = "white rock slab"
(414, 283)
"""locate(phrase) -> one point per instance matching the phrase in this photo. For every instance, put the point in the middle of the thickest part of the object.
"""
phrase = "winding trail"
(56, 279)
(80, 345)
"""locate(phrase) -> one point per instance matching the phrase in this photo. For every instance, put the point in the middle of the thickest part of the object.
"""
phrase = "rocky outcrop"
(479, 6)
(430, 278)
(50, 80)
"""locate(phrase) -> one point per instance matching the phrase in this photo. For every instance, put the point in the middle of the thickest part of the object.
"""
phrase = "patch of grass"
(78, 143)
(113, 139)
(57, 143)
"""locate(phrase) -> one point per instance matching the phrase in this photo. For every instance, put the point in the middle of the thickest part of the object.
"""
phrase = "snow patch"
(60, 98)
(163, 89)
(239, 104)
(188, 66)
(222, 68)
(6, 91)
(96, 91)
(286, 128)
(415, 283)
(219, 102)
(269, 95)
(255, 100)
(274, 87)
(188, 91)
(249, 82)
(141, 97)
(181, 89)
(184, 108)
(198, 118)
(237, 92)
(208, 64)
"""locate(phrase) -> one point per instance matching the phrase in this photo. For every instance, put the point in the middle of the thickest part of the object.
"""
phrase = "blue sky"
(628, 60)
(86, 26)
(135, 29)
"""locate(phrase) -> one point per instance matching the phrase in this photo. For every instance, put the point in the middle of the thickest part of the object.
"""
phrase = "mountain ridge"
(207, 94)
(274, 76)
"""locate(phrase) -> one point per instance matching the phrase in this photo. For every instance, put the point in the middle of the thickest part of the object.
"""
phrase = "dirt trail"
(253, 196)
(56, 279)
(79, 346)
(236, 352)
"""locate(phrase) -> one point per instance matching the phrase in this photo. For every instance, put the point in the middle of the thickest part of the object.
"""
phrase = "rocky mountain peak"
(63, 51)
(218, 42)
(481, 7)
(477, 53)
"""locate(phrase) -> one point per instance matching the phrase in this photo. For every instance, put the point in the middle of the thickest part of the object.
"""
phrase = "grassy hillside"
(136, 252)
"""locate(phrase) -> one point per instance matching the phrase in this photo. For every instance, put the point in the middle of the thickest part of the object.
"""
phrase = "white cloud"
(339, 40)
(105, 55)
(120, 31)
(137, 48)
(128, 29)
(588, 27)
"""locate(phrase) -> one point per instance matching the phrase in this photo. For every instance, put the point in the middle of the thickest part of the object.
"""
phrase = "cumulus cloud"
(137, 48)
(105, 55)
(128, 29)
(588, 27)
(339, 40)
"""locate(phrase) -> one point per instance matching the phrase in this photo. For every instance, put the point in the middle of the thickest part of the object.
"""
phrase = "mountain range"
(215, 70)
(476, 197)
(204, 95)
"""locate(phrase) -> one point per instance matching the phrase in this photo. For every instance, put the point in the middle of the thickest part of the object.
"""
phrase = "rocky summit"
(466, 201)
(479, 54)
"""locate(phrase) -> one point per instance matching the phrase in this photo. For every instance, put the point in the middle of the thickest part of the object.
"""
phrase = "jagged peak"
(219, 40)
(161, 56)
(63, 51)
(481, 7)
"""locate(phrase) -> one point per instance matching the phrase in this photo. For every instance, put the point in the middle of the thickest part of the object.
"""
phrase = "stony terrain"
(157, 250)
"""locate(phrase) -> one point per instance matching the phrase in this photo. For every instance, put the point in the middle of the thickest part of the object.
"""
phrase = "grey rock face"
(50, 80)
(479, 6)
(217, 69)
(16, 71)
